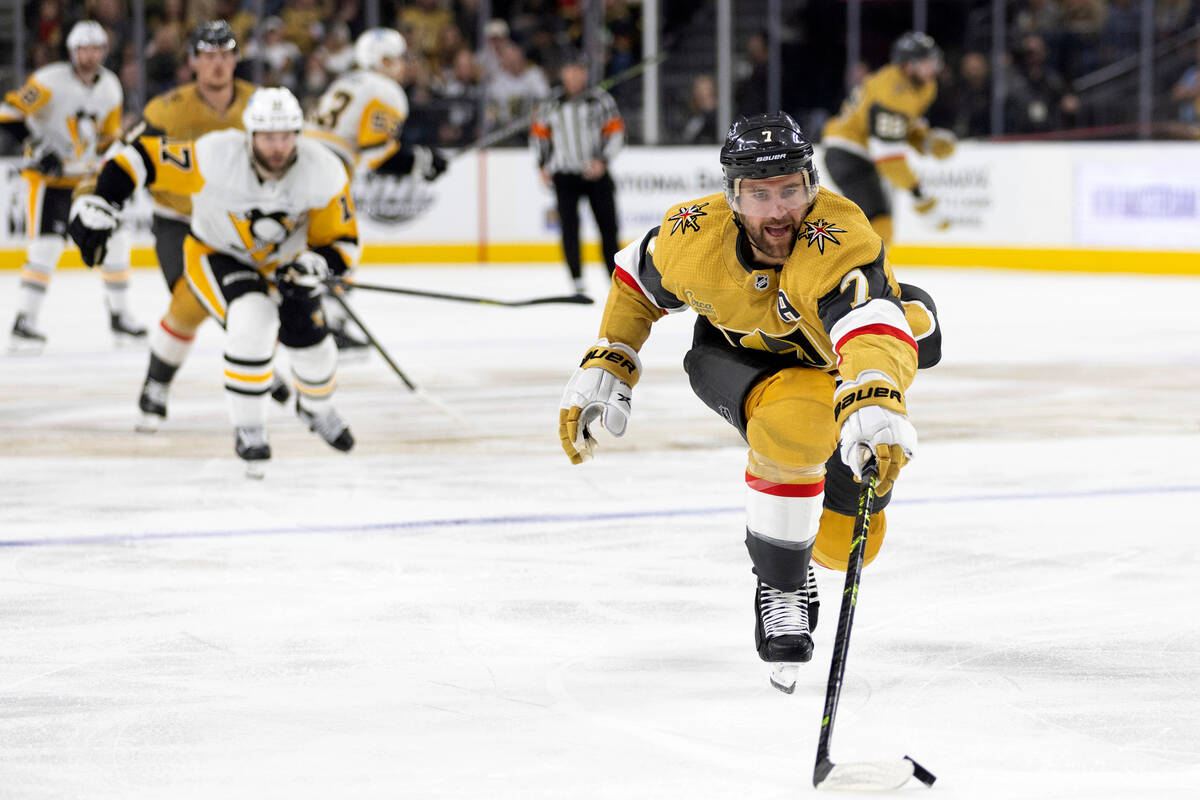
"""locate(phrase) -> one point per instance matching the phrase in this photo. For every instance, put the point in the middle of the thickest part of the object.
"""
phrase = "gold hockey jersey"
(261, 223)
(77, 120)
(182, 114)
(881, 114)
(359, 117)
(833, 305)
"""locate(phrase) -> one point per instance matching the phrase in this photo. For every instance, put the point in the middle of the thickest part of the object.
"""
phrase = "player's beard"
(773, 247)
(276, 166)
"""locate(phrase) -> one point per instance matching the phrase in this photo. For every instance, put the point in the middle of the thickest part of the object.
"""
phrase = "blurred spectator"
(241, 19)
(111, 14)
(422, 23)
(281, 58)
(172, 16)
(1039, 98)
(751, 92)
(466, 19)
(1186, 92)
(459, 92)
(513, 91)
(303, 23)
(971, 97)
(1122, 29)
(1039, 17)
(336, 53)
(315, 79)
(496, 36)
(701, 125)
(163, 58)
(49, 25)
(450, 41)
(1172, 16)
(1079, 42)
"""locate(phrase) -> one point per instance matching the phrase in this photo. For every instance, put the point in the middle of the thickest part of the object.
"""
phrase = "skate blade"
(25, 347)
(784, 676)
(256, 470)
(353, 355)
(127, 341)
(148, 423)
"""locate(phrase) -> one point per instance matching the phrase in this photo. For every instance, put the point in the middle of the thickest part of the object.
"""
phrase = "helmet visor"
(771, 197)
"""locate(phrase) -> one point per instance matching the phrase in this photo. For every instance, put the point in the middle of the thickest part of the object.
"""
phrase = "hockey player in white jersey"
(360, 117)
(67, 113)
(272, 217)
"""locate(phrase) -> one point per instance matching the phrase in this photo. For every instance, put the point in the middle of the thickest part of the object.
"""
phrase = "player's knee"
(251, 326)
(882, 225)
(185, 314)
(44, 251)
(790, 418)
(832, 547)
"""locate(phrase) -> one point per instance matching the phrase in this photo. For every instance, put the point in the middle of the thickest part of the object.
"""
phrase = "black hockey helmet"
(915, 46)
(214, 35)
(766, 146)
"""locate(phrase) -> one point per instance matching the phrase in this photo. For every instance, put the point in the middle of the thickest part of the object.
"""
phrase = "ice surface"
(454, 611)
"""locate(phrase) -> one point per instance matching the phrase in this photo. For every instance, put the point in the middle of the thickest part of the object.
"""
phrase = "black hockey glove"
(91, 221)
(428, 162)
(47, 162)
(303, 278)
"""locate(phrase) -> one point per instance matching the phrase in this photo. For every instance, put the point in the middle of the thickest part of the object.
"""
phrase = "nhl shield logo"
(761, 282)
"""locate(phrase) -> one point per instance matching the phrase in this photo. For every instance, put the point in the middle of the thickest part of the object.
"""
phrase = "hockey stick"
(860, 775)
(577, 299)
(341, 301)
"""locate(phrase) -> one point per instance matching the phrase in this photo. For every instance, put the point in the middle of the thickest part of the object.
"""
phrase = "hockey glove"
(428, 162)
(601, 389)
(924, 205)
(91, 221)
(46, 161)
(303, 278)
(880, 432)
(941, 143)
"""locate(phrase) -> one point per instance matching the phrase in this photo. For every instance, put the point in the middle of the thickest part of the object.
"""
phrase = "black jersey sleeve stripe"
(651, 279)
(839, 302)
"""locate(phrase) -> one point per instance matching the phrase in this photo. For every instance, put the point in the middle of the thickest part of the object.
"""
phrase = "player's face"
(394, 68)
(89, 58)
(274, 150)
(772, 211)
(214, 68)
(926, 69)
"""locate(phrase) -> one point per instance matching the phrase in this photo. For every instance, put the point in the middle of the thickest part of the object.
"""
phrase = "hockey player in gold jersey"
(67, 113)
(869, 138)
(804, 339)
(271, 217)
(214, 101)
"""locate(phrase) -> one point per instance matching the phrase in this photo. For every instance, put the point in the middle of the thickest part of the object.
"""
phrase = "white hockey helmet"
(376, 44)
(272, 109)
(86, 33)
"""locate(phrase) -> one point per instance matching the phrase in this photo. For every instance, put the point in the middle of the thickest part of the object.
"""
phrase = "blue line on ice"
(531, 519)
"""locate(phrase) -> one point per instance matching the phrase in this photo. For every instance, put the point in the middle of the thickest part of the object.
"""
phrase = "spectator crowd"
(468, 77)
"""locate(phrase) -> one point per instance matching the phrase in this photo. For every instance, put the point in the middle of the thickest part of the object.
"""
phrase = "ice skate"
(153, 406)
(814, 602)
(329, 426)
(24, 338)
(124, 329)
(280, 392)
(781, 634)
(250, 443)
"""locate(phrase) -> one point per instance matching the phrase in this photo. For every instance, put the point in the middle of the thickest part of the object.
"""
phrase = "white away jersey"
(77, 120)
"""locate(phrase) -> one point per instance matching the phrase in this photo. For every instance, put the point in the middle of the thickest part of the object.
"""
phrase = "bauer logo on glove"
(600, 390)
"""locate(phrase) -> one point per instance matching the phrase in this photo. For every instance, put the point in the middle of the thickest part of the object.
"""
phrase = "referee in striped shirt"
(575, 137)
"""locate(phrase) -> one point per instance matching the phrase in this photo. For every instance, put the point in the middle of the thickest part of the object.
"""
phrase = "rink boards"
(1125, 207)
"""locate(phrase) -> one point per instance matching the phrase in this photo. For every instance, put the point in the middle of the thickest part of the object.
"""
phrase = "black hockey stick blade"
(576, 299)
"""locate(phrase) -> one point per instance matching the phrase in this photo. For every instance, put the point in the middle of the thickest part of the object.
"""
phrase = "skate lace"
(783, 613)
(156, 392)
(252, 436)
(811, 586)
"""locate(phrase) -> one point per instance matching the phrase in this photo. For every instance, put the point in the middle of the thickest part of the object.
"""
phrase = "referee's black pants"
(569, 188)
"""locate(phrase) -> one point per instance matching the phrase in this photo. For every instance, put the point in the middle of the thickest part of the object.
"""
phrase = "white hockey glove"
(428, 162)
(601, 389)
(91, 220)
(880, 432)
(941, 143)
(304, 277)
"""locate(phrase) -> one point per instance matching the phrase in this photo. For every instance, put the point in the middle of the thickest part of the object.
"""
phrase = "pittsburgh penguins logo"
(262, 232)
